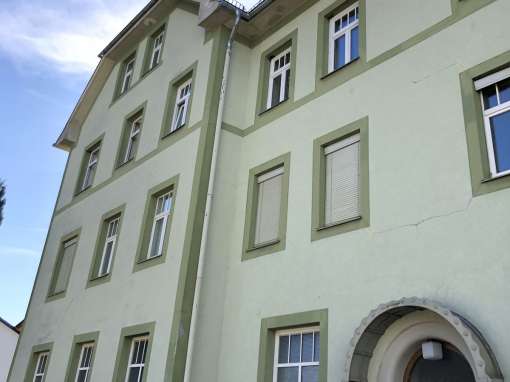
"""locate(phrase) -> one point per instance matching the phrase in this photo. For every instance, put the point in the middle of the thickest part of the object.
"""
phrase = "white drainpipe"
(208, 203)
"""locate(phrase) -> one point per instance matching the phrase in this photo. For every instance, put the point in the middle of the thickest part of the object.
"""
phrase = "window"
(92, 157)
(343, 38)
(112, 230)
(63, 266)
(340, 187)
(294, 347)
(342, 180)
(41, 366)
(84, 363)
(268, 206)
(181, 105)
(135, 126)
(161, 213)
(495, 97)
(279, 78)
(136, 360)
(266, 209)
(127, 74)
(297, 354)
(157, 48)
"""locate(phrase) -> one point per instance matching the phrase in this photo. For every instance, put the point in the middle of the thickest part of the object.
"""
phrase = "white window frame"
(129, 69)
(157, 49)
(181, 100)
(281, 71)
(300, 365)
(131, 350)
(93, 160)
(164, 214)
(110, 238)
(492, 112)
(37, 373)
(136, 128)
(87, 368)
(333, 36)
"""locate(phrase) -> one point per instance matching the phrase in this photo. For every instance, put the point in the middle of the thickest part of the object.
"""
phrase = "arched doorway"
(452, 367)
(387, 345)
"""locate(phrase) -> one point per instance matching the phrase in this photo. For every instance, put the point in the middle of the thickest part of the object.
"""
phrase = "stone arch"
(366, 337)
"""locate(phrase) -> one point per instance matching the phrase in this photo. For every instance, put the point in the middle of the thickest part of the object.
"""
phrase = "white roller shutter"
(268, 206)
(342, 180)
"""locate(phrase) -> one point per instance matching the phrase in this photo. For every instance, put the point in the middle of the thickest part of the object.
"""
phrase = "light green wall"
(428, 236)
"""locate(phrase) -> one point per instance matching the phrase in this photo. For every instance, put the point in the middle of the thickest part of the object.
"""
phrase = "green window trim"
(141, 261)
(122, 67)
(352, 68)
(32, 363)
(268, 328)
(262, 112)
(146, 69)
(138, 112)
(250, 250)
(93, 279)
(168, 115)
(319, 229)
(96, 143)
(51, 296)
(126, 335)
(481, 181)
(74, 355)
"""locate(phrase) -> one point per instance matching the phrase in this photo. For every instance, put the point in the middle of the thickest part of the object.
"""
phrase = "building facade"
(357, 229)
(8, 339)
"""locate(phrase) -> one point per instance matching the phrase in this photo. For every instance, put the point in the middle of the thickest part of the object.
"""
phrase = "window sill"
(55, 296)
(149, 259)
(149, 71)
(496, 177)
(338, 223)
(125, 163)
(329, 74)
(166, 135)
(272, 107)
(263, 245)
(98, 278)
(83, 190)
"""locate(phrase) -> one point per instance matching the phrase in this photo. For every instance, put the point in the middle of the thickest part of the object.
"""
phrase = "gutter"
(208, 203)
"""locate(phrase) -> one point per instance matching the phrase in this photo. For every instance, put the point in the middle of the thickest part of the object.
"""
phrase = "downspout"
(208, 203)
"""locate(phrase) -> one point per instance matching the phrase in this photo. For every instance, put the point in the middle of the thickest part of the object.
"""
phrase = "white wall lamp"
(432, 350)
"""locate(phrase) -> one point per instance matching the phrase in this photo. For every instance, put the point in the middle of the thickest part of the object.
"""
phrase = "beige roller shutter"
(66, 262)
(342, 180)
(268, 206)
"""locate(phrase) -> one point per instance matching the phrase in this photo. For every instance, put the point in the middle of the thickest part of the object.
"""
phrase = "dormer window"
(343, 38)
(279, 78)
(127, 75)
(157, 48)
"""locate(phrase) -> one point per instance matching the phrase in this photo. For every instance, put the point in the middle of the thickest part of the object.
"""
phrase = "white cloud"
(64, 35)
(16, 251)
(65, 38)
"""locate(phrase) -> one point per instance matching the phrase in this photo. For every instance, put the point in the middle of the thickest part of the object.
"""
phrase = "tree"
(2, 200)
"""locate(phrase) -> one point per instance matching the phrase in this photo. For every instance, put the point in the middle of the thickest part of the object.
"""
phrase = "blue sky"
(48, 50)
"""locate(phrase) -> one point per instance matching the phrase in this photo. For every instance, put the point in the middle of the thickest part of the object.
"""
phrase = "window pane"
(489, 97)
(501, 140)
(268, 210)
(295, 347)
(287, 84)
(82, 376)
(339, 52)
(317, 347)
(38, 379)
(133, 374)
(156, 239)
(504, 91)
(283, 352)
(106, 259)
(310, 374)
(275, 96)
(354, 43)
(307, 348)
(288, 374)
